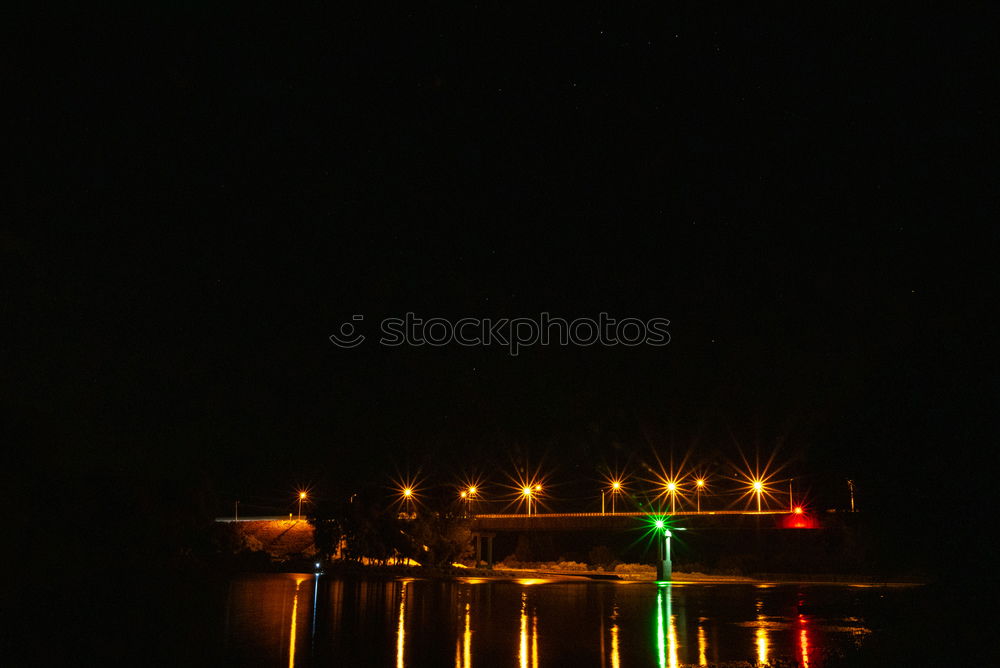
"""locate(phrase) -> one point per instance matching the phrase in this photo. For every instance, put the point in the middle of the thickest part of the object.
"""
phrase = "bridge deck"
(637, 514)
(612, 521)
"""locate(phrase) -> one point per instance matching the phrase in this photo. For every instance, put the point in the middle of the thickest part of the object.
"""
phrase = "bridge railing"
(631, 514)
(259, 518)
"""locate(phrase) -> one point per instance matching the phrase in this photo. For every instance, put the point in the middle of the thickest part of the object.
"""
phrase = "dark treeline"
(375, 530)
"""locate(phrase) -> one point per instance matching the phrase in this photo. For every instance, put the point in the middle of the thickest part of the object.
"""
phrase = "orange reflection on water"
(291, 633)
(672, 642)
(762, 642)
(401, 626)
(534, 640)
(463, 648)
(528, 659)
(615, 659)
(702, 645)
(524, 632)
(294, 627)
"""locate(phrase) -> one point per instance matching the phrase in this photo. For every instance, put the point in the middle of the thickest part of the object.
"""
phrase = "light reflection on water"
(615, 659)
(804, 642)
(702, 643)
(463, 651)
(291, 634)
(401, 625)
(280, 620)
(761, 636)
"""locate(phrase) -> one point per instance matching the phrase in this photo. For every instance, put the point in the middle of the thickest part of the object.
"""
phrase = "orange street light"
(672, 489)
(302, 495)
(616, 487)
(467, 495)
(408, 495)
(758, 488)
(699, 484)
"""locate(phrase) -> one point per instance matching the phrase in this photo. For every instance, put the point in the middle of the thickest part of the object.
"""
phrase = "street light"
(672, 491)
(467, 494)
(698, 485)
(302, 495)
(532, 493)
(408, 498)
(758, 488)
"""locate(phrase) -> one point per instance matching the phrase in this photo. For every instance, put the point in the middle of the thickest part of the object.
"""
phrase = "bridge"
(285, 535)
(630, 520)
(485, 527)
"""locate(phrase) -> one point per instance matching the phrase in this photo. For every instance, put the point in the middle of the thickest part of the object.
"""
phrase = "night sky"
(201, 199)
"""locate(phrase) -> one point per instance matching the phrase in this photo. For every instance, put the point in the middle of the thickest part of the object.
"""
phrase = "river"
(317, 620)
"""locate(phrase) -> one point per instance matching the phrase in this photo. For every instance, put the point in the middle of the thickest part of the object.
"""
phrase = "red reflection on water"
(803, 641)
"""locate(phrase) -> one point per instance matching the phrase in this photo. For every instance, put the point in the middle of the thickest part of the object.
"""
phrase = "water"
(307, 620)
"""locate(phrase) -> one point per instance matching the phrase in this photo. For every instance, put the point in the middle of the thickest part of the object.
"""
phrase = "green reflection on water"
(666, 627)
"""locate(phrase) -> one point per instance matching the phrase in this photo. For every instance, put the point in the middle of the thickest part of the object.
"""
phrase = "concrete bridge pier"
(664, 569)
(477, 539)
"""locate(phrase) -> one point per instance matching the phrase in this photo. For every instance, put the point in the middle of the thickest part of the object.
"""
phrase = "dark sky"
(201, 199)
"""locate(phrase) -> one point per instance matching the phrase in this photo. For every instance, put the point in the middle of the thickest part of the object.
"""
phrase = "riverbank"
(351, 569)
(680, 577)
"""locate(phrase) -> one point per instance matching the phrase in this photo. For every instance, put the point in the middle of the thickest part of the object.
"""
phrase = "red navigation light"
(799, 519)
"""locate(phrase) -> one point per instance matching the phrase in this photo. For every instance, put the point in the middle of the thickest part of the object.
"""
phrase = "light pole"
(467, 495)
(850, 486)
(758, 487)
(672, 491)
(698, 485)
(616, 487)
(472, 493)
(526, 491)
(408, 499)
(302, 495)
